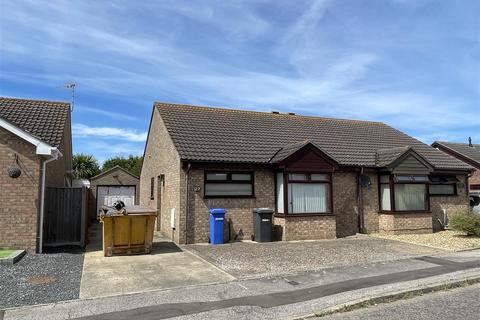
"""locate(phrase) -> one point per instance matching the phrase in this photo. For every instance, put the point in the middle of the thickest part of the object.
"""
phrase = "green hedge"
(466, 222)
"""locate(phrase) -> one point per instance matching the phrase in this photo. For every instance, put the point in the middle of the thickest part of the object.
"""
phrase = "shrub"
(466, 222)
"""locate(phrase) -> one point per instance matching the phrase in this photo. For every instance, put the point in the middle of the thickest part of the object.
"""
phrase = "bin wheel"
(252, 237)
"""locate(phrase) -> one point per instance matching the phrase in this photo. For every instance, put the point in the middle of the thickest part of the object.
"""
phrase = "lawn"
(5, 253)
(446, 240)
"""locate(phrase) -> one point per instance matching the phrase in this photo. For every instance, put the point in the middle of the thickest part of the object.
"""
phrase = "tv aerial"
(71, 86)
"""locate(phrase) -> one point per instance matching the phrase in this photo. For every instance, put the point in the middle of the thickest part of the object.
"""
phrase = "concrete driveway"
(250, 259)
(167, 267)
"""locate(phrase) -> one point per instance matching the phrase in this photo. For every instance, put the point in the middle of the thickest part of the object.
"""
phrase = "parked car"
(475, 202)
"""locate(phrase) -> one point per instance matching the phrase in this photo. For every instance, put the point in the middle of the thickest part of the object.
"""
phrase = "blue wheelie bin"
(217, 219)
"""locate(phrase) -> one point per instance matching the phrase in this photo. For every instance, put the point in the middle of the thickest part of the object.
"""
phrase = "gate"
(65, 217)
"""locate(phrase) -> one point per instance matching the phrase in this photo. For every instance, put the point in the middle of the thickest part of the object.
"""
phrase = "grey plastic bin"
(262, 224)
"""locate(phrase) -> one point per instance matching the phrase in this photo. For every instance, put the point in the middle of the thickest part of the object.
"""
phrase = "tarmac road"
(461, 303)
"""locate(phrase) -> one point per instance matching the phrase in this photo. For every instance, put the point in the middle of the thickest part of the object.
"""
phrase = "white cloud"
(85, 131)
(119, 115)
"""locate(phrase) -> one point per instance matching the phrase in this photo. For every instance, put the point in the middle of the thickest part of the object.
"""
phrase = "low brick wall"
(304, 227)
(405, 223)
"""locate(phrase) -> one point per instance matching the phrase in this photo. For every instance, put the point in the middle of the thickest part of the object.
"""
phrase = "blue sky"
(413, 64)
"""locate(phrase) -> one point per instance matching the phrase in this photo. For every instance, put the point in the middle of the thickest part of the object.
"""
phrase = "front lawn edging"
(14, 257)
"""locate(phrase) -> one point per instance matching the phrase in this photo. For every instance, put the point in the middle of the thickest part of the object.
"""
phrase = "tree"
(132, 164)
(85, 166)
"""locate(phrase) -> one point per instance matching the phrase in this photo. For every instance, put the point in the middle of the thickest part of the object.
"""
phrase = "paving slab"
(167, 267)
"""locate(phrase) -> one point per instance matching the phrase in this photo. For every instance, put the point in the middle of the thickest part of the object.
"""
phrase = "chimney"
(470, 142)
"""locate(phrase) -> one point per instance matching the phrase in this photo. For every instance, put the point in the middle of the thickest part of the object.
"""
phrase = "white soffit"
(42, 148)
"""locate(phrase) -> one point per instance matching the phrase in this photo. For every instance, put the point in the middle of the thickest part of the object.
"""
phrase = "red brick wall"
(19, 198)
(475, 178)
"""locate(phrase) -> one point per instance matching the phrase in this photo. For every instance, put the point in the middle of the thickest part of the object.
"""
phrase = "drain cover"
(42, 279)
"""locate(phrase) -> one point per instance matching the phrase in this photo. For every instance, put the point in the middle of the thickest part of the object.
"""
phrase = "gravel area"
(251, 259)
(41, 278)
(446, 240)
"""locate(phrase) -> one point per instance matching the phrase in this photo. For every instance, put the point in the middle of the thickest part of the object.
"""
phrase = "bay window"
(305, 193)
(403, 193)
(229, 184)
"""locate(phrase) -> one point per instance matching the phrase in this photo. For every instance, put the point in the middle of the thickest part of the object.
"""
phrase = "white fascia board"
(42, 148)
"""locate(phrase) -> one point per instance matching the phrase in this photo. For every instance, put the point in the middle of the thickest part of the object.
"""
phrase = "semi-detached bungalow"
(324, 178)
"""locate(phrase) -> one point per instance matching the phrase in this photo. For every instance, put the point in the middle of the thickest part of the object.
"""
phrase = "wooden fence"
(65, 217)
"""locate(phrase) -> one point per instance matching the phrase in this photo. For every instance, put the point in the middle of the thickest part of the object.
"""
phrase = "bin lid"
(217, 211)
(262, 210)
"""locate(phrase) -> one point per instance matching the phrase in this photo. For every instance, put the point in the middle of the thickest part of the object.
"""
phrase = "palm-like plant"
(85, 166)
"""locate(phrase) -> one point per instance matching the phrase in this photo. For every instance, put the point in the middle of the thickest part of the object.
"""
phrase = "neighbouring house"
(35, 153)
(324, 178)
(112, 185)
(468, 153)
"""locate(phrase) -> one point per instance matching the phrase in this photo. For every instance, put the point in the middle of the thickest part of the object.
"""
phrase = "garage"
(107, 195)
(110, 186)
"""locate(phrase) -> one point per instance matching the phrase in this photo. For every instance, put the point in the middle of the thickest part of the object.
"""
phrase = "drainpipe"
(55, 155)
(187, 188)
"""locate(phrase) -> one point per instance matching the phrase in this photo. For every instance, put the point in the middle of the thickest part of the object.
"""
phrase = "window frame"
(287, 180)
(229, 181)
(452, 182)
(392, 184)
(152, 188)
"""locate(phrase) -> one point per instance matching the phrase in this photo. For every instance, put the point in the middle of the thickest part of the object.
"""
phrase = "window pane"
(216, 176)
(442, 189)
(384, 179)
(280, 192)
(297, 176)
(410, 197)
(403, 178)
(241, 176)
(319, 177)
(228, 189)
(385, 197)
(420, 178)
(308, 197)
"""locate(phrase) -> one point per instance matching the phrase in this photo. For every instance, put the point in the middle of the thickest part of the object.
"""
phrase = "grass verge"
(5, 253)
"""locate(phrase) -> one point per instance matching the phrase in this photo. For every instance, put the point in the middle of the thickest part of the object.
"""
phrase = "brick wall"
(238, 220)
(371, 203)
(475, 178)
(19, 197)
(116, 177)
(305, 227)
(345, 203)
(402, 223)
(453, 204)
(161, 157)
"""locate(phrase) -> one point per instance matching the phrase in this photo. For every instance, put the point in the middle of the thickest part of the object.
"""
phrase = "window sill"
(229, 197)
(294, 215)
(443, 195)
(405, 212)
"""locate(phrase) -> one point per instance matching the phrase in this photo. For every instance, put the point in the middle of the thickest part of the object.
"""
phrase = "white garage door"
(107, 195)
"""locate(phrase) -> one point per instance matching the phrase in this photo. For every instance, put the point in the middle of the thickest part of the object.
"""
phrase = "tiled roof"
(464, 149)
(43, 119)
(226, 135)
(387, 156)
